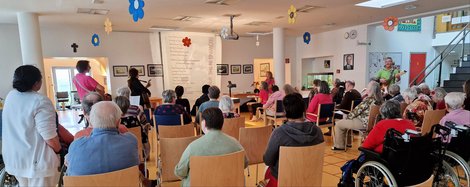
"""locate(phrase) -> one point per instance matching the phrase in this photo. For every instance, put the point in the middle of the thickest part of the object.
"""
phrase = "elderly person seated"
(454, 104)
(214, 93)
(214, 142)
(105, 150)
(322, 97)
(394, 92)
(134, 110)
(170, 108)
(421, 95)
(391, 115)
(227, 107)
(358, 118)
(437, 97)
(270, 106)
(88, 101)
(416, 106)
(425, 89)
(466, 90)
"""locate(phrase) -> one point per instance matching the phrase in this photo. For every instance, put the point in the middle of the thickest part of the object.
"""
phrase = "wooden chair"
(279, 115)
(171, 150)
(121, 178)
(232, 125)
(301, 166)
(176, 131)
(354, 103)
(137, 132)
(373, 116)
(254, 141)
(431, 117)
(221, 170)
(403, 106)
(326, 112)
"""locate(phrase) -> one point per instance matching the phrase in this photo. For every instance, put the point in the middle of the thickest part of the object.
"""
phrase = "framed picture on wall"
(248, 69)
(236, 69)
(327, 64)
(222, 69)
(140, 68)
(348, 62)
(155, 70)
(263, 68)
(120, 71)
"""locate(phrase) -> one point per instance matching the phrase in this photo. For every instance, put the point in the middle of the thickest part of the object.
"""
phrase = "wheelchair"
(5, 178)
(458, 154)
(407, 159)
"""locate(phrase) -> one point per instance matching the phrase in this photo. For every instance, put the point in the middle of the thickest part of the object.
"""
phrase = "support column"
(30, 40)
(278, 56)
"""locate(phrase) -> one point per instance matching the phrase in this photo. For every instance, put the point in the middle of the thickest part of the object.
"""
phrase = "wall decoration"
(74, 46)
(263, 69)
(136, 9)
(95, 40)
(108, 26)
(222, 69)
(411, 25)
(327, 64)
(353, 34)
(186, 41)
(120, 71)
(248, 69)
(292, 14)
(140, 68)
(236, 69)
(155, 70)
(348, 62)
(377, 62)
(346, 35)
(390, 23)
(307, 37)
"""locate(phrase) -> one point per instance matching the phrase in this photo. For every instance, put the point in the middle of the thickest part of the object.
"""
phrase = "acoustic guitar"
(385, 85)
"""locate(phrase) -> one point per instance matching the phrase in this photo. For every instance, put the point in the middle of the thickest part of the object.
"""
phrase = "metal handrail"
(440, 55)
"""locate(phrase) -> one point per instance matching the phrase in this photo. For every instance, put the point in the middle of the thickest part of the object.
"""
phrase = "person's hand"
(148, 84)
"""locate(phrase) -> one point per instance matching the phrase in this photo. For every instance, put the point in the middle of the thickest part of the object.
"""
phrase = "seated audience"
(391, 115)
(359, 116)
(214, 93)
(416, 107)
(133, 110)
(466, 90)
(421, 95)
(288, 89)
(263, 98)
(425, 89)
(180, 100)
(213, 143)
(314, 90)
(454, 103)
(105, 150)
(203, 98)
(227, 107)
(338, 91)
(350, 95)
(394, 92)
(437, 97)
(89, 100)
(269, 107)
(170, 108)
(295, 132)
(322, 97)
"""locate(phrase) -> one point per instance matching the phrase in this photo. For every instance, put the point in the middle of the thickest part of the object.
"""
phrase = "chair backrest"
(373, 115)
(176, 131)
(431, 117)
(221, 170)
(232, 125)
(326, 111)
(403, 106)
(254, 141)
(171, 150)
(279, 106)
(121, 178)
(301, 166)
(169, 119)
(137, 132)
(355, 103)
(62, 95)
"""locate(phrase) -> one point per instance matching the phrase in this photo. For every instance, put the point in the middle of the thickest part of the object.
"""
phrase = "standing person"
(180, 100)
(138, 89)
(84, 83)
(30, 143)
(203, 98)
(270, 79)
(323, 97)
(466, 90)
(388, 75)
(263, 97)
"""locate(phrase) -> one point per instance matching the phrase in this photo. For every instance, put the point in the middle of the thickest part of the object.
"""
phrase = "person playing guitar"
(389, 75)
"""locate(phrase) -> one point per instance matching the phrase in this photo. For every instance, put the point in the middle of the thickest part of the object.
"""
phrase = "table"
(155, 101)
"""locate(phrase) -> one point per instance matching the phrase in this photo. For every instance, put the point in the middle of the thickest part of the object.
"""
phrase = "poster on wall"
(377, 61)
(348, 62)
(155, 70)
(411, 25)
(140, 69)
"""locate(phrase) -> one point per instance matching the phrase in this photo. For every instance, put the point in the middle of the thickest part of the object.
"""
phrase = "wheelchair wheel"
(374, 174)
(7, 180)
(446, 176)
(460, 167)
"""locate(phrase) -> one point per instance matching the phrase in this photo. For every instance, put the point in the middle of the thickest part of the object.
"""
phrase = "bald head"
(89, 100)
(105, 115)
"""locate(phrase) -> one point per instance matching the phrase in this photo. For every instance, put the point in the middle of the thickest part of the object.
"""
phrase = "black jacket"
(290, 134)
(137, 89)
(349, 96)
(199, 101)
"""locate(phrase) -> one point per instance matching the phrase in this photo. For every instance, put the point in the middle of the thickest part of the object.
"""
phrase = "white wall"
(10, 56)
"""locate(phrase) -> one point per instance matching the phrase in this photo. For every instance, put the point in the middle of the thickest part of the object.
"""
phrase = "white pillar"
(278, 56)
(30, 40)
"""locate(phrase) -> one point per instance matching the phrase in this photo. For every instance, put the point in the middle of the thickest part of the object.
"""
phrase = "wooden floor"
(331, 167)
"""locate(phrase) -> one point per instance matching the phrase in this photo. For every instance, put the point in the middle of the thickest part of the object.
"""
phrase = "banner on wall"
(411, 25)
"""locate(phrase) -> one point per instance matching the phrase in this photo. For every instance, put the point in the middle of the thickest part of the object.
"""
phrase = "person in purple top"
(454, 104)
(170, 108)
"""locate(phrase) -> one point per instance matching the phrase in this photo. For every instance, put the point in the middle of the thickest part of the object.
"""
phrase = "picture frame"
(348, 61)
(265, 67)
(222, 69)
(155, 70)
(247, 68)
(327, 64)
(120, 71)
(140, 68)
(236, 69)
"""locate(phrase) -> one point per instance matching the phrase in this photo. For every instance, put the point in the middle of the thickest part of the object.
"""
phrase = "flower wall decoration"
(390, 23)
(136, 9)
(95, 40)
(108, 26)
(186, 41)
(307, 37)
(292, 14)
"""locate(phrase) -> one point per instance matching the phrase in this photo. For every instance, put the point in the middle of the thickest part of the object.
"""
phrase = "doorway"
(63, 86)
(417, 64)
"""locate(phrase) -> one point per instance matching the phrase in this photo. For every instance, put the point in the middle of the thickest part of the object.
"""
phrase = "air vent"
(258, 23)
(184, 18)
(92, 11)
(308, 8)
(221, 2)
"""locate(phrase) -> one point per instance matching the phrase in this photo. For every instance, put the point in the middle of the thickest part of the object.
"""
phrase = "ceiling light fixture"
(383, 3)
(257, 40)
(92, 11)
(163, 28)
(308, 8)
(410, 7)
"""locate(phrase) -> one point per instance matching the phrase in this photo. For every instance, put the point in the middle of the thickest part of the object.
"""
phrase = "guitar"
(384, 85)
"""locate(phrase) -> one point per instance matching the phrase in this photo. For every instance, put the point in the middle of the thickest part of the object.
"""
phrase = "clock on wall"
(353, 34)
(346, 35)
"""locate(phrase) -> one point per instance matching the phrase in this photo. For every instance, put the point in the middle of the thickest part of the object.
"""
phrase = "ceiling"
(210, 17)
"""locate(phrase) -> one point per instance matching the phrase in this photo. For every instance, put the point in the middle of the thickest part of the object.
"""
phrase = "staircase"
(462, 73)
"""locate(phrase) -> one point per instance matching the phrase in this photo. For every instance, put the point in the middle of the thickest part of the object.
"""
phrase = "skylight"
(383, 3)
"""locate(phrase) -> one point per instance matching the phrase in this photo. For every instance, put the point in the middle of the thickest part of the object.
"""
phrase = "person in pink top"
(270, 80)
(269, 107)
(322, 97)
(263, 98)
(84, 83)
(454, 104)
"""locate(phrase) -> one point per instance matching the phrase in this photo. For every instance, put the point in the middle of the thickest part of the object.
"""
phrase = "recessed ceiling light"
(97, 1)
(383, 3)
(410, 7)
(184, 18)
(258, 23)
(163, 28)
(260, 33)
(92, 11)
(308, 8)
